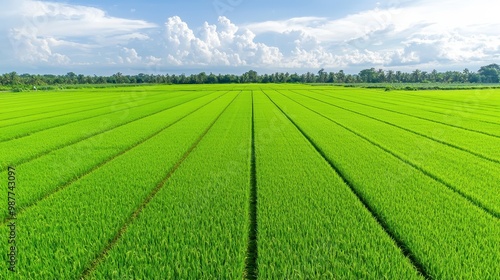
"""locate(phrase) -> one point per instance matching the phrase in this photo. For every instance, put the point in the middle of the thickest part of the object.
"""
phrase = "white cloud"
(406, 34)
(129, 56)
(222, 44)
(32, 49)
(398, 33)
(52, 33)
(415, 33)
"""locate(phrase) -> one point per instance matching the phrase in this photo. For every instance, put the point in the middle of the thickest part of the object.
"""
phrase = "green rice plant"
(453, 121)
(310, 223)
(473, 141)
(62, 235)
(446, 234)
(38, 123)
(29, 103)
(454, 168)
(85, 106)
(27, 148)
(56, 170)
(196, 227)
(274, 181)
(468, 105)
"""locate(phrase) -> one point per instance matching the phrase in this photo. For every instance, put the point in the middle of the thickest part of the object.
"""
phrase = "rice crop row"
(63, 235)
(251, 181)
(438, 119)
(196, 226)
(86, 107)
(59, 168)
(310, 224)
(27, 128)
(467, 140)
(34, 145)
(433, 158)
(448, 236)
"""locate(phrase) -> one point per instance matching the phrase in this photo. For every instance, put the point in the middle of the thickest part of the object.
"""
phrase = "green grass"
(309, 219)
(23, 126)
(428, 218)
(106, 198)
(458, 130)
(63, 166)
(196, 199)
(252, 181)
(416, 86)
(426, 153)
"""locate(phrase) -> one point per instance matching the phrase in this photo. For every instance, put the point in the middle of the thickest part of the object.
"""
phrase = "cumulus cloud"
(225, 44)
(52, 33)
(221, 44)
(404, 33)
(130, 56)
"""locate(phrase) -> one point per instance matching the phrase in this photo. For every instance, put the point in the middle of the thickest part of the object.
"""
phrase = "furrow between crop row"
(418, 117)
(93, 265)
(78, 176)
(251, 262)
(109, 103)
(479, 155)
(418, 266)
(17, 154)
(473, 200)
(27, 130)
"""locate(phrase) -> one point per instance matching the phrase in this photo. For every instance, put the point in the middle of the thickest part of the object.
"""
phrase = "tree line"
(486, 74)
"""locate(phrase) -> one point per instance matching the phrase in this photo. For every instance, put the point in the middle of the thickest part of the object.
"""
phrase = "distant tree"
(322, 76)
(212, 79)
(282, 78)
(380, 77)
(368, 75)
(416, 76)
(310, 77)
(331, 77)
(201, 78)
(71, 78)
(486, 74)
(81, 79)
(14, 79)
(490, 73)
(466, 76)
(294, 78)
(251, 76)
(390, 76)
(340, 77)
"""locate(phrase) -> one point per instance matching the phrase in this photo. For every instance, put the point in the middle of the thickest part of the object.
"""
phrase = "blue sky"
(234, 36)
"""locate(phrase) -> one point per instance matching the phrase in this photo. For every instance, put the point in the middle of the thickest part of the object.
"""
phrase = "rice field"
(250, 181)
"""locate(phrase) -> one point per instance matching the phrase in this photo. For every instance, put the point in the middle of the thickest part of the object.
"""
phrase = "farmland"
(263, 181)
